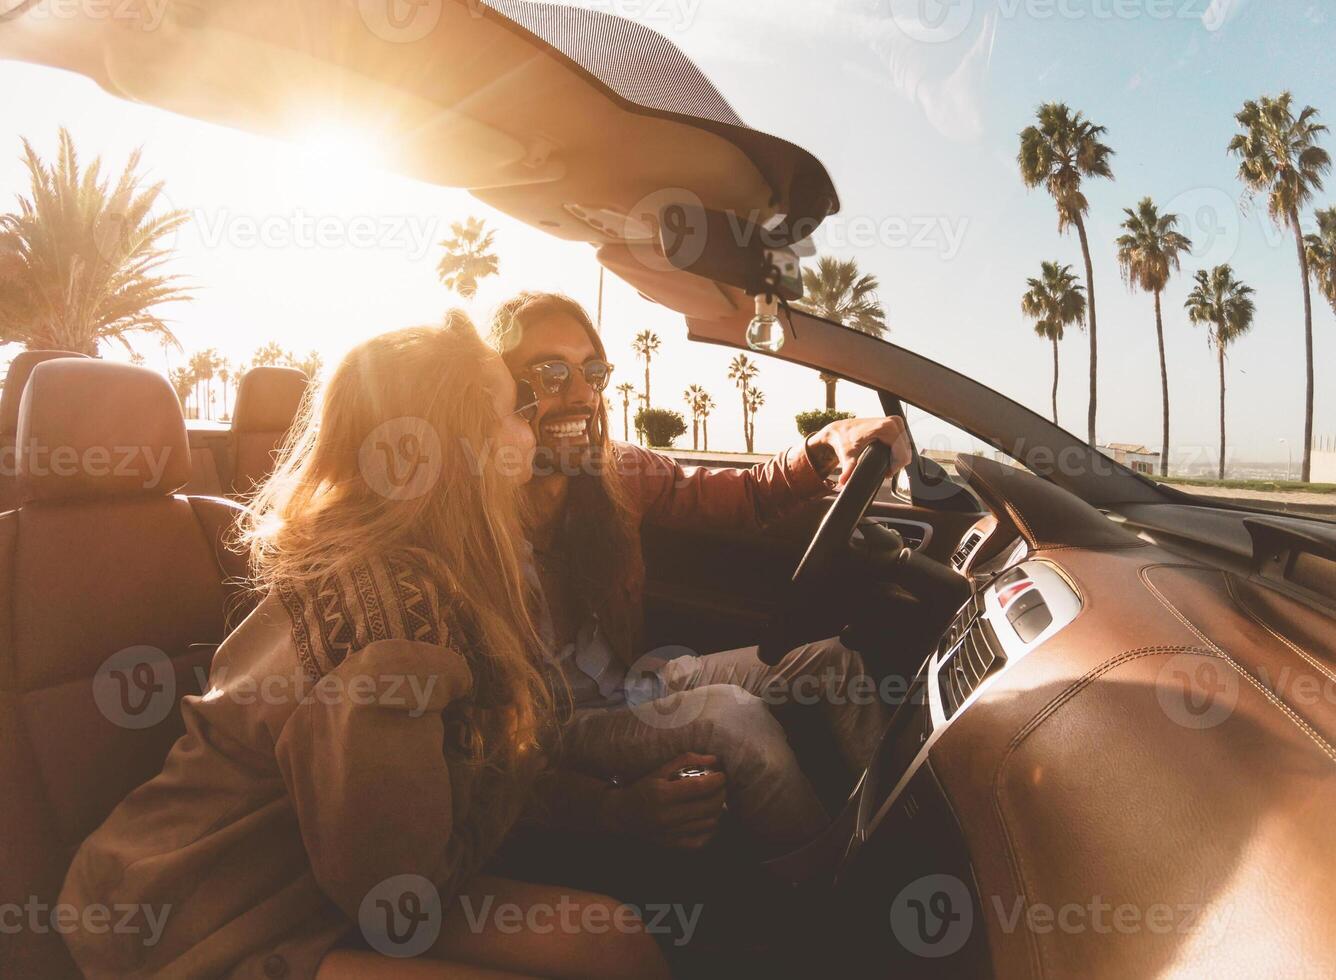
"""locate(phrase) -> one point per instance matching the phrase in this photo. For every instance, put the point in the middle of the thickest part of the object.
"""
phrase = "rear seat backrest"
(268, 399)
(99, 559)
(15, 380)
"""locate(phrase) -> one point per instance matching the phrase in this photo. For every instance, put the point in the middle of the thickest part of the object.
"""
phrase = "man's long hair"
(598, 541)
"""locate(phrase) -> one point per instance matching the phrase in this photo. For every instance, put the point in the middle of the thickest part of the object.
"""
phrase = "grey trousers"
(720, 704)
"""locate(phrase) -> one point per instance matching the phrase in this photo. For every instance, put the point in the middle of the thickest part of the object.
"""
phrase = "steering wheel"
(830, 542)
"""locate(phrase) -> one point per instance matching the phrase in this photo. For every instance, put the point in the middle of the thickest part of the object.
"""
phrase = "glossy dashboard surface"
(1163, 750)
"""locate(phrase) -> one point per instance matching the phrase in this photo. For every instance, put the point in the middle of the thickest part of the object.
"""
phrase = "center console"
(906, 850)
(1013, 614)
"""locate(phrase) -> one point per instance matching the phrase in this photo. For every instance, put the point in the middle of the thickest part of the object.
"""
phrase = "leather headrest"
(88, 428)
(19, 370)
(268, 399)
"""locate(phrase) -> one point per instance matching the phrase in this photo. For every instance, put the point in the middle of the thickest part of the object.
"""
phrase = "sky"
(914, 106)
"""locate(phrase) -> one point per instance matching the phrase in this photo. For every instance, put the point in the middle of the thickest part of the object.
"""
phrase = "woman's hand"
(839, 444)
(681, 813)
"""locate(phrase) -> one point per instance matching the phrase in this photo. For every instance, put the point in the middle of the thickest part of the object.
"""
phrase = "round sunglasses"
(526, 401)
(554, 376)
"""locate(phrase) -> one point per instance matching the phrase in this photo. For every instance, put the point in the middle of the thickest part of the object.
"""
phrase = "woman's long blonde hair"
(327, 508)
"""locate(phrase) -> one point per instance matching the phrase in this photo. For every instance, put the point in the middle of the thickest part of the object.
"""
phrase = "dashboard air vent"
(966, 549)
(977, 654)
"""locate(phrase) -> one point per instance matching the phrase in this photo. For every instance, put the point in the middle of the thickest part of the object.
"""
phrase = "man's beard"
(563, 460)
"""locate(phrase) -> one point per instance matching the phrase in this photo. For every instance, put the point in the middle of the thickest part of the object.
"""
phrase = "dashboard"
(1104, 723)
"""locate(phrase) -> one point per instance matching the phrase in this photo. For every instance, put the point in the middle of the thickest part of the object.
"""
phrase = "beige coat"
(287, 801)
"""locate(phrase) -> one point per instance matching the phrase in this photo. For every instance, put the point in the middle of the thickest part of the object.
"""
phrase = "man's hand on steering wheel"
(840, 443)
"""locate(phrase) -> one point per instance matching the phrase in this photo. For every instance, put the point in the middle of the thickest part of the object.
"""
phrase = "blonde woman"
(372, 729)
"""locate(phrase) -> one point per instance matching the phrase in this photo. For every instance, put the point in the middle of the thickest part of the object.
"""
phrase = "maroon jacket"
(670, 495)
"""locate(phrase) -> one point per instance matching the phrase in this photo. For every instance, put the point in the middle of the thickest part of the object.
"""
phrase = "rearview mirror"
(727, 248)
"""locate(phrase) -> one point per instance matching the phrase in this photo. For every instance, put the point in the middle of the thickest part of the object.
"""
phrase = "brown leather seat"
(15, 380)
(268, 399)
(115, 593)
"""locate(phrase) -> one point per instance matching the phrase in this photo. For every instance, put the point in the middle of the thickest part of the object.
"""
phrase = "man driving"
(635, 723)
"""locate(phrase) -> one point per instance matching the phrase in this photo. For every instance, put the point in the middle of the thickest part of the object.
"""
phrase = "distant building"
(1324, 460)
(1134, 456)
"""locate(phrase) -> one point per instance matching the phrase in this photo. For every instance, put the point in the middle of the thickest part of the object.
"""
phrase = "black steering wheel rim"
(830, 541)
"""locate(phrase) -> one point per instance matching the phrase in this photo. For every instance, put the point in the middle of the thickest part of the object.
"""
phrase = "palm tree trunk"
(1090, 308)
(598, 323)
(1055, 380)
(647, 402)
(705, 432)
(695, 432)
(746, 431)
(1220, 348)
(1307, 467)
(1164, 389)
(626, 420)
(830, 391)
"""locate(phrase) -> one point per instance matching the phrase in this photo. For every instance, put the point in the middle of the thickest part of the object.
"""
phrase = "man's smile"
(566, 426)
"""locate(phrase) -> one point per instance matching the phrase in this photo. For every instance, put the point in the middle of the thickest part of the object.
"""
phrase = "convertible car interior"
(1115, 741)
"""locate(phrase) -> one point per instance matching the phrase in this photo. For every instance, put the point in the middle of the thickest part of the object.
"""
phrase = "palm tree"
(468, 257)
(167, 344)
(755, 399)
(80, 259)
(741, 371)
(1278, 154)
(1321, 251)
(269, 355)
(1148, 252)
(693, 396)
(1062, 150)
(1054, 301)
(1226, 306)
(310, 365)
(201, 367)
(183, 382)
(835, 291)
(626, 390)
(704, 407)
(225, 374)
(646, 345)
